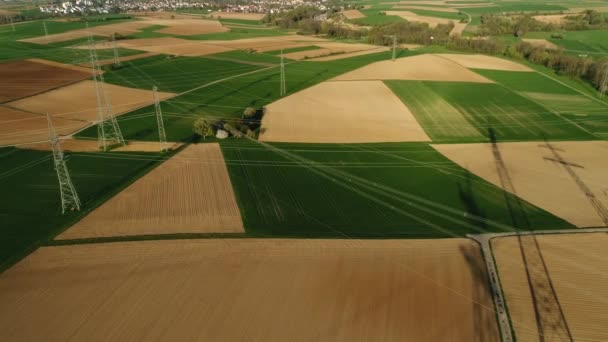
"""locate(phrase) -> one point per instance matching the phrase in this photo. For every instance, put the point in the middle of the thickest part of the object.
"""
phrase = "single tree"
(249, 112)
(203, 127)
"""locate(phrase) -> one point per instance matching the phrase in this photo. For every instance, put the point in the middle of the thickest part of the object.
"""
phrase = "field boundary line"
(572, 88)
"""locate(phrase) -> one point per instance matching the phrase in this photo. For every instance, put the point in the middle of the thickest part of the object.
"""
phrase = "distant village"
(81, 7)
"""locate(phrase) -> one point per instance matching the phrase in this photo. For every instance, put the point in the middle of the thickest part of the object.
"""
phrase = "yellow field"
(422, 68)
(189, 193)
(577, 267)
(341, 112)
(250, 290)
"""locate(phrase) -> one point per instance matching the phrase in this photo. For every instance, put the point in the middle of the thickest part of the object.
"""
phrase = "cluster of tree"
(247, 126)
(588, 20)
(409, 32)
(518, 25)
(331, 29)
(586, 68)
(490, 46)
(292, 18)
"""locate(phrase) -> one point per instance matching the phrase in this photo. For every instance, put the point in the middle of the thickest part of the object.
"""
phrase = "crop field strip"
(189, 193)
(541, 178)
(371, 177)
(31, 209)
(578, 273)
(297, 285)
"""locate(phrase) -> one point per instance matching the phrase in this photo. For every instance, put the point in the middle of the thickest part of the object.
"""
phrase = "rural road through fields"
(497, 293)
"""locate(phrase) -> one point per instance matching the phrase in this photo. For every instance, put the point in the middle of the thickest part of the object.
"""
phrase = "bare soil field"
(189, 193)
(331, 48)
(341, 112)
(427, 8)
(540, 178)
(411, 16)
(79, 145)
(19, 127)
(350, 54)
(234, 15)
(79, 102)
(61, 65)
(250, 290)
(484, 62)
(353, 14)
(126, 28)
(576, 264)
(458, 29)
(541, 42)
(422, 68)
(19, 79)
(186, 27)
(426, 2)
(551, 18)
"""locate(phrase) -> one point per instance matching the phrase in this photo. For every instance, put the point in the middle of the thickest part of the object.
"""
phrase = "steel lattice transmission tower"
(283, 86)
(46, 31)
(394, 37)
(69, 197)
(162, 136)
(108, 131)
(116, 55)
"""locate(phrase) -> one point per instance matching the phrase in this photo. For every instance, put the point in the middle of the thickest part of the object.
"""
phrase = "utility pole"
(108, 130)
(10, 20)
(283, 86)
(162, 136)
(116, 56)
(394, 37)
(46, 31)
(69, 197)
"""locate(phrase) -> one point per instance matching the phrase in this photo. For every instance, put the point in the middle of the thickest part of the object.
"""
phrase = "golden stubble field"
(250, 290)
(189, 193)
(425, 67)
(577, 267)
(341, 112)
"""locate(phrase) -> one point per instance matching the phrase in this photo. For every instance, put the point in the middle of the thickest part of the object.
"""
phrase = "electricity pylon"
(283, 86)
(46, 31)
(10, 20)
(69, 197)
(107, 128)
(116, 56)
(394, 46)
(162, 136)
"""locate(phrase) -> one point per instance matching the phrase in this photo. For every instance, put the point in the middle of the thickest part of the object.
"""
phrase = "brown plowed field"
(78, 145)
(576, 264)
(78, 101)
(126, 28)
(350, 54)
(422, 68)
(189, 193)
(484, 62)
(186, 27)
(411, 16)
(243, 16)
(353, 14)
(341, 112)
(250, 290)
(541, 179)
(19, 79)
(331, 48)
(19, 127)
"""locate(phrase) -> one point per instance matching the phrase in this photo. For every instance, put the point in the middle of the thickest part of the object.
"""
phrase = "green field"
(30, 207)
(222, 100)
(467, 112)
(366, 190)
(593, 43)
